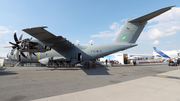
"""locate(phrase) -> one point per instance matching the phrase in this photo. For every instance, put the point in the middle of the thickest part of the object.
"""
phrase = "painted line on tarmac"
(165, 76)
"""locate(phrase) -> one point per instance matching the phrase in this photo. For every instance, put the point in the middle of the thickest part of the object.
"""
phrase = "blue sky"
(91, 21)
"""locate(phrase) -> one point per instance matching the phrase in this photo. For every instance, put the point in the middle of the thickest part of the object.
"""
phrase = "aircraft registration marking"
(96, 51)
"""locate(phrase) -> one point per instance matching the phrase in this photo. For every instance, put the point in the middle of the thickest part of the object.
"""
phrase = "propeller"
(18, 45)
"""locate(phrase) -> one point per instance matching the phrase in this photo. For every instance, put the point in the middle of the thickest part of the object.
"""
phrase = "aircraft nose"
(8, 55)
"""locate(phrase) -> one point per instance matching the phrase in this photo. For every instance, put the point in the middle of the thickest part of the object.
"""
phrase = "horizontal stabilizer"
(160, 53)
(151, 15)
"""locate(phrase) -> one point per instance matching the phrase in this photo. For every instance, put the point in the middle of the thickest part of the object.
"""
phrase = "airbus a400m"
(48, 47)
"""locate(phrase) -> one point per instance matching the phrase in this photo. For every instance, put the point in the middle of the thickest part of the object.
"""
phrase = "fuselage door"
(79, 57)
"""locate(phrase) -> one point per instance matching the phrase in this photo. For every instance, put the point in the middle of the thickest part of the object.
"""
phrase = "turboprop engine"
(27, 45)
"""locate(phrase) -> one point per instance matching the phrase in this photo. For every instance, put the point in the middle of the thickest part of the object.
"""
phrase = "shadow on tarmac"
(100, 70)
(2, 73)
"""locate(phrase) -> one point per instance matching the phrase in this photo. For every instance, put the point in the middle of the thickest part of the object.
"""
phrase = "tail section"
(130, 32)
(133, 27)
(160, 53)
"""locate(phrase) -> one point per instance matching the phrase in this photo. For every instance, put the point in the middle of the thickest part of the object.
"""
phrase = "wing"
(151, 15)
(47, 38)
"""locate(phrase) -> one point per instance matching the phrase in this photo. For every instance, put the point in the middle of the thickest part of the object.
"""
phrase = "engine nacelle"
(29, 46)
(46, 60)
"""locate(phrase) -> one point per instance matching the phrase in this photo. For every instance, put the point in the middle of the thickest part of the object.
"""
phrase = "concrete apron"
(161, 87)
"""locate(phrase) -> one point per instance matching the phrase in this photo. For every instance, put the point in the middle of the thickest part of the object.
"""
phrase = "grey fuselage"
(89, 52)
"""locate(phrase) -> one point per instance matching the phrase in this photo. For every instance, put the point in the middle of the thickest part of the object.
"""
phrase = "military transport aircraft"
(51, 48)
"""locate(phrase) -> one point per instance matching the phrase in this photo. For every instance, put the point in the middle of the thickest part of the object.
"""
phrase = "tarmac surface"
(31, 83)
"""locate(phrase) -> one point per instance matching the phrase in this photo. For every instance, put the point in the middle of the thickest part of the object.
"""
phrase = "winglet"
(151, 15)
(160, 53)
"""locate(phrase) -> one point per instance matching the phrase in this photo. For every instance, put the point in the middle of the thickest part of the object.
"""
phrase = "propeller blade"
(17, 54)
(34, 54)
(20, 37)
(23, 54)
(15, 38)
(13, 43)
(8, 46)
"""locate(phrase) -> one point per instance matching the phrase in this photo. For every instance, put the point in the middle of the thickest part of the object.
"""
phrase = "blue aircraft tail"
(160, 53)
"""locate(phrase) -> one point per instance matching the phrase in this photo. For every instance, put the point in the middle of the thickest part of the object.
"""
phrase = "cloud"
(167, 24)
(91, 41)
(114, 31)
(123, 20)
(103, 34)
(4, 30)
(168, 42)
(155, 42)
(114, 25)
(77, 41)
(155, 33)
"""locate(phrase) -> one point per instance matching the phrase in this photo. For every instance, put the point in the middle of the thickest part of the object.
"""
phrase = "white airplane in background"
(166, 54)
